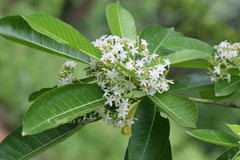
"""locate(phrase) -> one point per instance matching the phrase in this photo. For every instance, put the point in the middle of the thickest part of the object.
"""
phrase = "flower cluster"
(126, 66)
(66, 73)
(227, 57)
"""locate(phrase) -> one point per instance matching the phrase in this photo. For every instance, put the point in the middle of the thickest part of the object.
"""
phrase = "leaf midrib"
(70, 110)
(172, 111)
(65, 42)
(228, 86)
(161, 43)
(45, 47)
(220, 143)
(35, 151)
(119, 21)
(150, 131)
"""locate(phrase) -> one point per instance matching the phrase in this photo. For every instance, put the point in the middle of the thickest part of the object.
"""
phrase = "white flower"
(67, 80)
(131, 43)
(167, 63)
(122, 112)
(139, 63)
(106, 117)
(139, 72)
(217, 70)
(228, 77)
(119, 124)
(153, 56)
(125, 102)
(129, 121)
(112, 74)
(144, 42)
(70, 64)
(160, 68)
(224, 44)
(93, 64)
(129, 65)
(154, 74)
(123, 55)
(134, 50)
(109, 100)
(102, 84)
(131, 86)
(144, 82)
(116, 83)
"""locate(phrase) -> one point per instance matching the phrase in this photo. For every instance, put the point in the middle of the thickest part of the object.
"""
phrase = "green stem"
(208, 101)
(236, 155)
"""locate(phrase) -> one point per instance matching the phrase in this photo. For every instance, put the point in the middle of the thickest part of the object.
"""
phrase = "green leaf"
(120, 21)
(192, 82)
(186, 43)
(62, 104)
(186, 55)
(235, 128)
(150, 133)
(62, 33)
(17, 147)
(155, 35)
(228, 154)
(179, 108)
(167, 154)
(33, 96)
(234, 72)
(210, 94)
(191, 64)
(126, 155)
(16, 29)
(36, 94)
(223, 88)
(215, 137)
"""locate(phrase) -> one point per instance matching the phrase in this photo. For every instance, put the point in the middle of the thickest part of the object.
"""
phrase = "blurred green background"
(24, 70)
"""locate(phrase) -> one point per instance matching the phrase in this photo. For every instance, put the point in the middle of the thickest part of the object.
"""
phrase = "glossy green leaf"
(155, 35)
(179, 108)
(234, 72)
(186, 43)
(36, 94)
(210, 94)
(235, 128)
(191, 64)
(149, 133)
(62, 33)
(167, 154)
(16, 29)
(17, 147)
(126, 155)
(228, 154)
(223, 88)
(33, 96)
(120, 21)
(62, 104)
(215, 137)
(192, 82)
(186, 55)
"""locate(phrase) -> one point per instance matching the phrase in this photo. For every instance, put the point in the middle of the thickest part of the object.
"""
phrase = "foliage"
(52, 109)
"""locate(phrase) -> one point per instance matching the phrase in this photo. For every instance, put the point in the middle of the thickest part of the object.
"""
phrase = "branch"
(208, 101)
